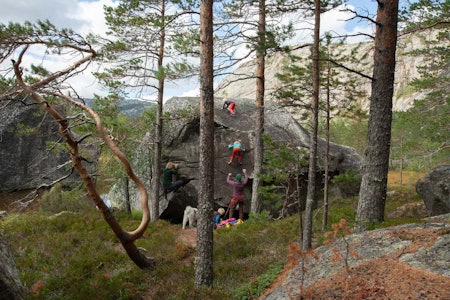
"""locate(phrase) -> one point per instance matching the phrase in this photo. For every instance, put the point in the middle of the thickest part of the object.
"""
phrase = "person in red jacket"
(238, 193)
(230, 106)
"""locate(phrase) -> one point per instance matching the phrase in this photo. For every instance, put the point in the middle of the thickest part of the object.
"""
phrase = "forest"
(153, 43)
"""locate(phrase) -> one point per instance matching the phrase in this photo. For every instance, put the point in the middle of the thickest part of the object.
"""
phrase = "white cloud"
(87, 17)
(82, 16)
(60, 12)
(195, 92)
(92, 14)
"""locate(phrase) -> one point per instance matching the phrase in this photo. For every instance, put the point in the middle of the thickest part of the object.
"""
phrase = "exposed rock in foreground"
(404, 262)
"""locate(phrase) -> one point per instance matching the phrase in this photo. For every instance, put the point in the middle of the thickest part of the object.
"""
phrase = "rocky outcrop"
(402, 262)
(434, 189)
(236, 84)
(28, 160)
(181, 139)
(10, 286)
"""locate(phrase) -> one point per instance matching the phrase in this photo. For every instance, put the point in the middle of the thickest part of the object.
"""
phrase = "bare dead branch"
(348, 69)
(423, 28)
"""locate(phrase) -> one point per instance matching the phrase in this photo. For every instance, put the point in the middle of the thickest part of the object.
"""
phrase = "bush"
(57, 200)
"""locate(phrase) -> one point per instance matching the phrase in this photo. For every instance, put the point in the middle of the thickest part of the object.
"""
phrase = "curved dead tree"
(49, 85)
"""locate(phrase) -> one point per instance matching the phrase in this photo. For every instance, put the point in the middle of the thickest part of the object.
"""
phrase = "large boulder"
(434, 189)
(181, 145)
(28, 160)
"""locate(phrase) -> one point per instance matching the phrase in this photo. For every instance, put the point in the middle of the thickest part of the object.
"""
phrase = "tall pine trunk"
(311, 193)
(154, 212)
(204, 257)
(259, 126)
(372, 195)
(327, 153)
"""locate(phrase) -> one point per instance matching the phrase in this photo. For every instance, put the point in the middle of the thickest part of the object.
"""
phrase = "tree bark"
(311, 193)
(127, 196)
(327, 153)
(204, 256)
(259, 126)
(10, 286)
(154, 211)
(372, 195)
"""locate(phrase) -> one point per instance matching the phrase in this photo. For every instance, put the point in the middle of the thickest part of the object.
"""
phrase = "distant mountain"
(134, 108)
(131, 108)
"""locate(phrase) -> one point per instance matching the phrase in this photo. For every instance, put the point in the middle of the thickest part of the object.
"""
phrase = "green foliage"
(71, 255)
(350, 176)
(253, 289)
(424, 13)
(283, 166)
(420, 135)
(296, 82)
(350, 132)
(338, 209)
(57, 200)
(24, 130)
(146, 34)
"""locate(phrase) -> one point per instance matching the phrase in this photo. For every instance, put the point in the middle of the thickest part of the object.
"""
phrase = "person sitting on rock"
(218, 216)
(230, 106)
(236, 149)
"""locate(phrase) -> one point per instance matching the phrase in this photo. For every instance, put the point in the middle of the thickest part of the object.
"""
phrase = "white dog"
(190, 215)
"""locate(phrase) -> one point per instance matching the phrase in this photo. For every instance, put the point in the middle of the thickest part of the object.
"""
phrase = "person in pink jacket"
(238, 185)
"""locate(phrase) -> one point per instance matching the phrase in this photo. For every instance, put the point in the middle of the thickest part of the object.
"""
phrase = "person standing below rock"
(230, 106)
(236, 149)
(238, 193)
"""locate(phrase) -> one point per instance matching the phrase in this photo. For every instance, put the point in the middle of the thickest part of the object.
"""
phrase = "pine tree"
(372, 193)
(146, 36)
(204, 255)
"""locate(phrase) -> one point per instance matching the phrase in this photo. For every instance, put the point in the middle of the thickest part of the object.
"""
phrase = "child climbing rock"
(236, 150)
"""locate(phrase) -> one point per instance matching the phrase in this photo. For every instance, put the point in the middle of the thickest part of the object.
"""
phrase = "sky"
(86, 16)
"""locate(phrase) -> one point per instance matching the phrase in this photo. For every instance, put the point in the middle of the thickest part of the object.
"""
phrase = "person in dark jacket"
(238, 185)
(169, 185)
(169, 172)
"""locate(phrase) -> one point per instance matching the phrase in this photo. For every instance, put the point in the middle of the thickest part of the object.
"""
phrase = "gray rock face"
(10, 286)
(236, 84)
(181, 140)
(26, 159)
(434, 189)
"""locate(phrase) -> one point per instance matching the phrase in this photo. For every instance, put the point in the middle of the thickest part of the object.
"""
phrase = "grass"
(74, 255)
